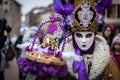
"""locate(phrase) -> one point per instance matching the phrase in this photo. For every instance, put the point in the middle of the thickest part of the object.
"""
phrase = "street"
(11, 73)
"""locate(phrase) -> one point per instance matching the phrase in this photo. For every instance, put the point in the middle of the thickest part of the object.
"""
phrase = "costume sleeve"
(112, 71)
(2, 41)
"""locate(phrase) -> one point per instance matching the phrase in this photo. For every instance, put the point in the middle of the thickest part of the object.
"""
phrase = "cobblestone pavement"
(11, 73)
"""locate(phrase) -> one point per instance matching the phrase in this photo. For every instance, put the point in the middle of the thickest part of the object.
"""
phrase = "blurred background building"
(39, 14)
(112, 14)
(11, 10)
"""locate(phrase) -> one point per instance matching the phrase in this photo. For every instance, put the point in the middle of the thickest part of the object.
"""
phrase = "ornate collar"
(100, 57)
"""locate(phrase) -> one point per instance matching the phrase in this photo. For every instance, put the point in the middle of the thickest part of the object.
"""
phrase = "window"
(114, 11)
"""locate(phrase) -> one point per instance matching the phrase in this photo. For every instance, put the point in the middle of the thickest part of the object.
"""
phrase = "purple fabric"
(52, 28)
(51, 52)
(66, 9)
(83, 74)
(40, 49)
(27, 48)
(69, 8)
(76, 66)
(105, 3)
(99, 9)
(79, 66)
(41, 70)
(81, 69)
(59, 54)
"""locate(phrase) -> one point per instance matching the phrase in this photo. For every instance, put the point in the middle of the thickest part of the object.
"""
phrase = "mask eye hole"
(79, 35)
(88, 35)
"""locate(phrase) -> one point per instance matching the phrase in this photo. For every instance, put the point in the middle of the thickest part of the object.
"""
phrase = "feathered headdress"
(84, 13)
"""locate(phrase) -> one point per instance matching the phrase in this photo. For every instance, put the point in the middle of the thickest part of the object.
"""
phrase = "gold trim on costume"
(93, 26)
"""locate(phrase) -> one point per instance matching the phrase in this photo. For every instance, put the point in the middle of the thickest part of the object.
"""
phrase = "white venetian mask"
(84, 40)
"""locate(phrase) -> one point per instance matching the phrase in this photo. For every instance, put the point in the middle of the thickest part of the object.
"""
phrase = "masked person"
(87, 54)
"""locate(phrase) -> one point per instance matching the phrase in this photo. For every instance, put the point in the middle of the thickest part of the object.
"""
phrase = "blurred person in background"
(26, 40)
(115, 49)
(4, 30)
(109, 33)
(19, 39)
(3, 39)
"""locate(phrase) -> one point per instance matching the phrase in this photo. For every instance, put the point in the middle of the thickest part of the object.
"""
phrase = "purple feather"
(41, 70)
(105, 3)
(99, 9)
(66, 9)
(69, 8)
(52, 28)
(58, 6)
